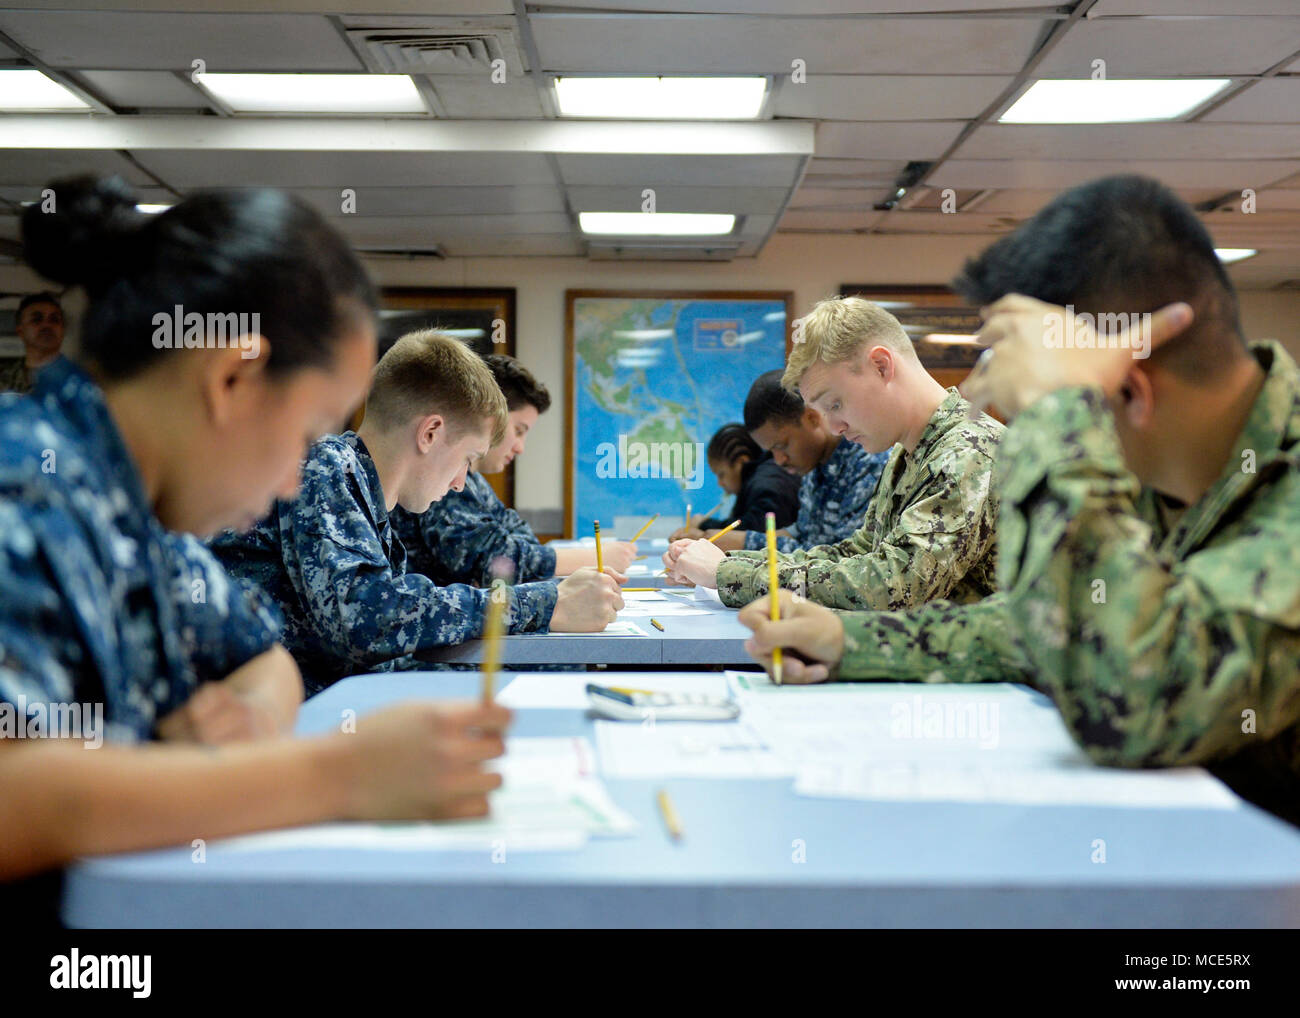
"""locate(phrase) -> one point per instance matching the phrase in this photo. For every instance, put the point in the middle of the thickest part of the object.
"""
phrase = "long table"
(687, 641)
(884, 864)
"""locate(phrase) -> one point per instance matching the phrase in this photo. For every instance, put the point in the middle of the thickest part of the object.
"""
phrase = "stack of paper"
(966, 743)
(550, 799)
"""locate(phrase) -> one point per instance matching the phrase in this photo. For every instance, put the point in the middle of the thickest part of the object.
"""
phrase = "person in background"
(1149, 531)
(330, 560)
(40, 326)
(113, 615)
(929, 532)
(457, 539)
(747, 472)
(837, 477)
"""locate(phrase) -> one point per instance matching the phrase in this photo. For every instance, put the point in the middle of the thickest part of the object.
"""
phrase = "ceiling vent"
(436, 46)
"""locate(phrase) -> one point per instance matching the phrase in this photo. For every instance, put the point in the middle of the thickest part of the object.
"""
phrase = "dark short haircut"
(44, 297)
(1124, 244)
(768, 401)
(517, 383)
(215, 253)
(730, 443)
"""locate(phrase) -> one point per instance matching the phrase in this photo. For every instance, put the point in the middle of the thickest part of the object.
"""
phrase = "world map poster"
(654, 376)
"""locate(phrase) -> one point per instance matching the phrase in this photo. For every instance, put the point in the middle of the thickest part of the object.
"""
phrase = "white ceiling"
(887, 86)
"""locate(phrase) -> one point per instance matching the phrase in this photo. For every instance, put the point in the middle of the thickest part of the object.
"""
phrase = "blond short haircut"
(429, 372)
(838, 329)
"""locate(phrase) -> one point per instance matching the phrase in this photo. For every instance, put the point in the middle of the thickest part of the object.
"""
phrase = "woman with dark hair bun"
(743, 469)
(220, 339)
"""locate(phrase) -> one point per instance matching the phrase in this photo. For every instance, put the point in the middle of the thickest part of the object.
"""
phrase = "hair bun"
(85, 235)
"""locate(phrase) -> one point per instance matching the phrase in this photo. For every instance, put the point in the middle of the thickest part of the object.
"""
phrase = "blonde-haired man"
(929, 531)
(330, 558)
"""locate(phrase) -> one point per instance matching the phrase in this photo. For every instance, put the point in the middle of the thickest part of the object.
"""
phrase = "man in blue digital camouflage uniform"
(457, 539)
(330, 558)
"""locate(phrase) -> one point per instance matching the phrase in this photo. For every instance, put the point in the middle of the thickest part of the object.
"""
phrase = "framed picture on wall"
(940, 325)
(483, 317)
(652, 375)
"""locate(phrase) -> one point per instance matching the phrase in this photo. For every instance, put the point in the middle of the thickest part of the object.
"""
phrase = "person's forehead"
(43, 306)
(815, 382)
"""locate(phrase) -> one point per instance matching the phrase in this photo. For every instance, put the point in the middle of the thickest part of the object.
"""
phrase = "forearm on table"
(60, 800)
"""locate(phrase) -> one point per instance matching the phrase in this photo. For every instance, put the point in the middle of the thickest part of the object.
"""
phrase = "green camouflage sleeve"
(939, 642)
(1151, 661)
(946, 528)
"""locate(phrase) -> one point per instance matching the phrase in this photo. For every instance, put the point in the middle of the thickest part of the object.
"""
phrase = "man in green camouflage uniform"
(929, 530)
(39, 324)
(1149, 533)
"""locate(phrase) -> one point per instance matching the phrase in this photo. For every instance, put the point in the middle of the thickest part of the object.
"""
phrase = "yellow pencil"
(646, 527)
(671, 820)
(773, 590)
(688, 515)
(645, 589)
(725, 530)
(655, 623)
(600, 559)
(493, 628)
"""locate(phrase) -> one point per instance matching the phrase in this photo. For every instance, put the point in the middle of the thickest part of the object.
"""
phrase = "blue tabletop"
(885, 864)
(687, 641)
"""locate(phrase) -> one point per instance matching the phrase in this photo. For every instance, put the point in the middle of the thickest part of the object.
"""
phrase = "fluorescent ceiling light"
(464, 333)
(656, 224)
(152, 209)
(27, 90)
(1084, 101)
(1228, 255)
(661, 98)
(315, 93)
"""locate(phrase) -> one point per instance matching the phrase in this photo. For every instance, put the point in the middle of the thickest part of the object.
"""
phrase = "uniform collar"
(368, 478)
(946, 416)
(1267, 442)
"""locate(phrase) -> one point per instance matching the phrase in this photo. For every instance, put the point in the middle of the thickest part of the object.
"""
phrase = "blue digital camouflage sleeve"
(360, 608)
(35, 626)
(225, 621)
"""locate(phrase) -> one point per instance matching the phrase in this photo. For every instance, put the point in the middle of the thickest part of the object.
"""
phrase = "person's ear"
(1136, 399)
(812, 418)
(430, 431)
(881, 361)
(231, 377)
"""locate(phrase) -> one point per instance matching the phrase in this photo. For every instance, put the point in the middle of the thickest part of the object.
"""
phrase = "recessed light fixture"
(25, 90)
(315, 93)
(656, 224)
(680, 98)
(1113, 101)
(952, 338)
(1227, 255)
(152, 209)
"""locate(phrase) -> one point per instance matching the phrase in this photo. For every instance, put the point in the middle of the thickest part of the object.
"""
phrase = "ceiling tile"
(761, 45)
(1274, 101)
(165, 41)
(465, 96)
(842, 222)
(143, 89)
(425, 201)
(879, 141)
(670, 198)
(888, 97)
(662, 170)
(1131, 141)
(1055, 175)
(1172, 47)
